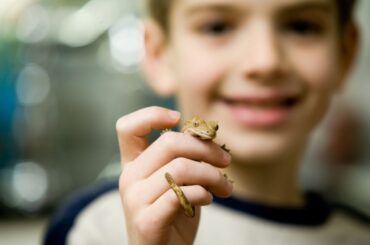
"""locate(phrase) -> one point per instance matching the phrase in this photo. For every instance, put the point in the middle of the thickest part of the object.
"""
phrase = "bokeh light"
(126, 43)
(33, 85)
(29, 185)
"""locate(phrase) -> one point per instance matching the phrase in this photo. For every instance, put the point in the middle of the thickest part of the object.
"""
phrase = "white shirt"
(102, 222)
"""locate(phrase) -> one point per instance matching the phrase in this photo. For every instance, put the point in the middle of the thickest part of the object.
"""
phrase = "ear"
(349, 48)
(156, 62)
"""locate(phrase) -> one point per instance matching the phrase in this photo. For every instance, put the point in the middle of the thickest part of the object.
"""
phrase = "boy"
(266, 71)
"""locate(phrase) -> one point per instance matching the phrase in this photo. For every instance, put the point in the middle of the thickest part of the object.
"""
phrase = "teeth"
(269, 104)
(262, 104)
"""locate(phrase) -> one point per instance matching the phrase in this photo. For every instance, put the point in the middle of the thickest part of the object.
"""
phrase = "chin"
(265, 157)
(262, 149)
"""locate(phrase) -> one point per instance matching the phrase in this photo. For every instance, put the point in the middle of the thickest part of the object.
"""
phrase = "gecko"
(204, 130)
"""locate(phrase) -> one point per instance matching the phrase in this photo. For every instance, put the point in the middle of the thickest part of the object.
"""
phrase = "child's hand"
(153, 212)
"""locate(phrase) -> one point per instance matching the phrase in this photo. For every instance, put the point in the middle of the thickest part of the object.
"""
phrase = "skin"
(214, 50)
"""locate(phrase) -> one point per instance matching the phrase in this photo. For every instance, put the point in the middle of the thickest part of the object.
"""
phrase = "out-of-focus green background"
(70, 68)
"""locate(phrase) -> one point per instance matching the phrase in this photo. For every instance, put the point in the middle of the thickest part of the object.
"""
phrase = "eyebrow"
(214, 7)
(325, 7)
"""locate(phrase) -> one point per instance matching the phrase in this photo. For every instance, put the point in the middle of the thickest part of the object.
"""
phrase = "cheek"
(318, 67)
(197, 74)
(197, 68)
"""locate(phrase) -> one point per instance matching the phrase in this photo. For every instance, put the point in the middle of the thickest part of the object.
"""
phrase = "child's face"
(266, 70)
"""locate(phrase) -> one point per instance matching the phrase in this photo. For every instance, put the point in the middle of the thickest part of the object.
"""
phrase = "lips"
(261, 110)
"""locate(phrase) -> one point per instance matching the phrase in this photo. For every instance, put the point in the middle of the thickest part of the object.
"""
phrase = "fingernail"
(175, 115)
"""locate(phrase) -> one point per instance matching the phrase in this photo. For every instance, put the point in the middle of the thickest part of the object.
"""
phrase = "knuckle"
(128, 189)
(129, 198)
(204, 194)
(153, 116)
(123, 181)
(169, 139)
(220, 177)
(179, 166)
(172, 199)
(121, 124)
(126, 177)
(179, 162)
(154, 110)
(154, 113)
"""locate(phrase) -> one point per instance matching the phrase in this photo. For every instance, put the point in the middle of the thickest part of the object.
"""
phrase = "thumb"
(132, 129)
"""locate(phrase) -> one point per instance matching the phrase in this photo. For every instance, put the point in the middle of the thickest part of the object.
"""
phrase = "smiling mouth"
(263, 103)
(261, 111)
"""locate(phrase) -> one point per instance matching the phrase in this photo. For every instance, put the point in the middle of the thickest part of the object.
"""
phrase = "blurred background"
(69, 70)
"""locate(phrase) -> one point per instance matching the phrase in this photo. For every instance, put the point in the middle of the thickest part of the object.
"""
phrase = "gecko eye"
(195, 124)
(216, 127)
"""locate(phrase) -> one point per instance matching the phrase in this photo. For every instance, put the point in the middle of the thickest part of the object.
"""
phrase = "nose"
(264, 60)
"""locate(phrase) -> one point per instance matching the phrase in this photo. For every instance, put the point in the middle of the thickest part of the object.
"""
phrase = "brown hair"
(345, 11)
(159, 10)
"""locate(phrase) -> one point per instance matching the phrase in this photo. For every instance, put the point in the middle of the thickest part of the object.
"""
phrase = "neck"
(272, 184)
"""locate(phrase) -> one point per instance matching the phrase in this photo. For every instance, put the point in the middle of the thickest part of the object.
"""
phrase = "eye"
(304, 27)
(218, 27)
(195, 124)
(216, 127)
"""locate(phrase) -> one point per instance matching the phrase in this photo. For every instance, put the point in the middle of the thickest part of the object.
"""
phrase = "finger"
(187, 172)
(133, 128)
(172, 145)
(167, 207)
